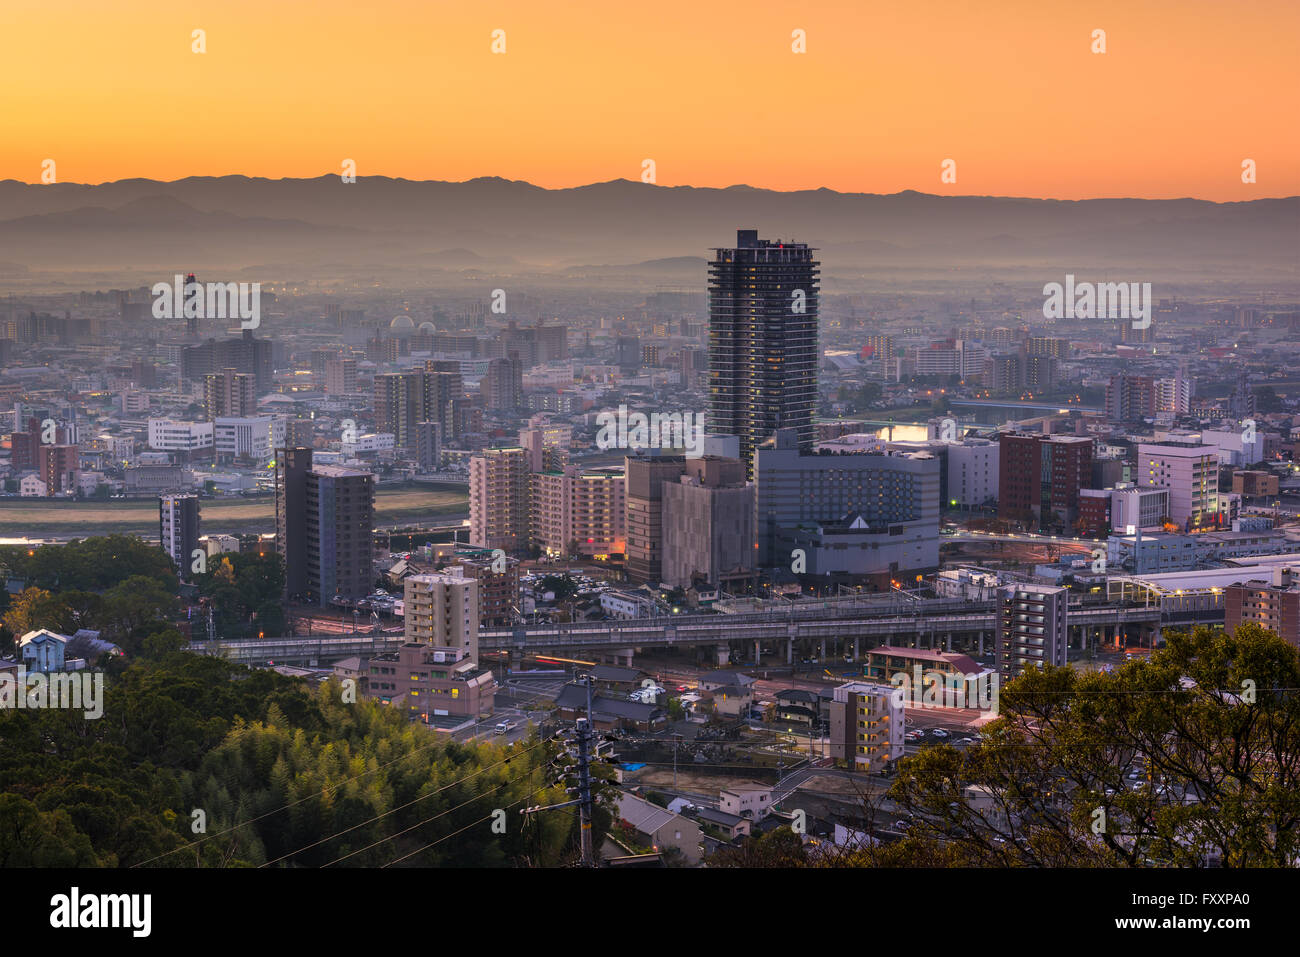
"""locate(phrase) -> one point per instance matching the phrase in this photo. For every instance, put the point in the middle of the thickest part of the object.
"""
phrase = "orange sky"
(710, 91)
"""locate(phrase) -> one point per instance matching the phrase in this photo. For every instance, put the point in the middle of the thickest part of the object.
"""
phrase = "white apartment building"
(370, 443)
(1134, 507)
(962, 357)
(626, 605)
(169, 435)
(1174, 395)
(972, 473)
(253, 437)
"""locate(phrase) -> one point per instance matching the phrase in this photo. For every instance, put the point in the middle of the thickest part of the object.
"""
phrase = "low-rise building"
(1272, 603)
(439, 686)
(608, 712)
(866, 727)
(658, 827)
(731, 825)
(752, 803)
(626, 604)
(730, 701)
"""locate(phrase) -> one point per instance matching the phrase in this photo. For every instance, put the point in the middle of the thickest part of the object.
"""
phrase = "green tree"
(1210, 721)
(779, 847)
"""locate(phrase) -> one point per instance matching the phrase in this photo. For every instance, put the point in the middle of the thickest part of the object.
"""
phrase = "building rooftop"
(339, 471)
(963, 663)
(642, 815)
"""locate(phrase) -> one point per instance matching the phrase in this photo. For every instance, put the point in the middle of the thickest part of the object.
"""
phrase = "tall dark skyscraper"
(291, 468)
(324, 523)
(762, 341)
(178, 530)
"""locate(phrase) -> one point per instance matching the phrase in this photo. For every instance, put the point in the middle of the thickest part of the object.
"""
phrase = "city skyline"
(575, 437)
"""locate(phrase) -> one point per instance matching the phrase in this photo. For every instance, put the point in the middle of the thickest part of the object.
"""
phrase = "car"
(939, 733)
(902, 825)
(683, 688)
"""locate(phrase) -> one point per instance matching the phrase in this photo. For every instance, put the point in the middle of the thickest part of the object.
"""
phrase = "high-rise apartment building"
(405, 399)
(502, 387)
(340, 376)
(178, 530)
(245, 353)
(340, 533)
(291, 468)
(1174, 395)
(500, 499)
(579, 511)
(1031, 627)
(547, 446)
(442, 609)
(1131, 397)
(57, 465)
(298, 433)
(1004, 373)
(428, 446)
(229, 394)
(1046, 346)
(324, 527)
(763, 308)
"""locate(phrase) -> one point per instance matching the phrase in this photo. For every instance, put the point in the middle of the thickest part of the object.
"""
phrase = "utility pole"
(584, 800)
(584, 778)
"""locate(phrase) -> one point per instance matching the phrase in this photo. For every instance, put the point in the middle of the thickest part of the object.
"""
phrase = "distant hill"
(619, 227)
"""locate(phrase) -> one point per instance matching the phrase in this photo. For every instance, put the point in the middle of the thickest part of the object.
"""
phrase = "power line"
(584, 800)
(437, 742)
(408, 804)
(459, 831)
(435, 817)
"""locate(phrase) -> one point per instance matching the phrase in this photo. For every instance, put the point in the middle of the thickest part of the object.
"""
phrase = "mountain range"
(490, 226)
